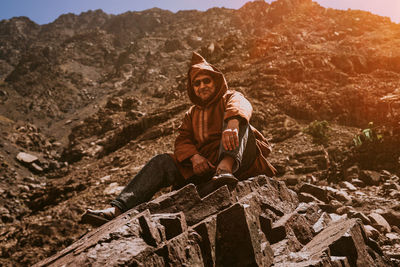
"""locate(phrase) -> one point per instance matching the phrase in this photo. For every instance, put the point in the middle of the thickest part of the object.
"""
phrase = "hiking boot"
(219, 180)
(98, 217)
(225, 179)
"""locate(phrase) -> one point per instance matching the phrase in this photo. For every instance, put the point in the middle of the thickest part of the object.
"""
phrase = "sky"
(46, 11)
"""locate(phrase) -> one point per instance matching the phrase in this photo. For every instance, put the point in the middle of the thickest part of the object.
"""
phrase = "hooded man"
(216, 146)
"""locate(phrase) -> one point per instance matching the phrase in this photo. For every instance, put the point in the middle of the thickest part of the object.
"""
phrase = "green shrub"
(319, 130)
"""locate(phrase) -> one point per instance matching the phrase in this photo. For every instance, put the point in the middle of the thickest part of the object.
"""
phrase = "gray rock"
(31, 180)
(348, 186)
(351, 172)
(342, 196)
(370, 177)
(26, 158)
(307, 198)
(266, 190)
(341, 239)
(359, 215)
(36, 168)
(343, 210)
(322, 223)
(194, 41)
(174, 223)
(235, 224)
(149, 232)
(394, 238)
(207, 230)
(335, 205)
(23, 188)
(371, 232)
(183, 250)
(316, 191)
(336, 217)
(290, 223)
(379, 222)
(291, 180)
(392, 217)
(358, 182)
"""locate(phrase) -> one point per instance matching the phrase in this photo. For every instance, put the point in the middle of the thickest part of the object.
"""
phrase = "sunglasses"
(198, 82)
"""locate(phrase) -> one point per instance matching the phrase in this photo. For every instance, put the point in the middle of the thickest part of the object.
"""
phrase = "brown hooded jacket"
(201, 129)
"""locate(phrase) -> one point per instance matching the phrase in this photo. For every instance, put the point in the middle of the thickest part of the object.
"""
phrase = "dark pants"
(161, 171)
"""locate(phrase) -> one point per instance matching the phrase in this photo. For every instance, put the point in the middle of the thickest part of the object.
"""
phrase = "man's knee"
(165, 162)
(162, 158)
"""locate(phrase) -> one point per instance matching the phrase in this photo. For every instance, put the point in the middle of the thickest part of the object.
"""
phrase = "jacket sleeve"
(184, 143)
(237, 105)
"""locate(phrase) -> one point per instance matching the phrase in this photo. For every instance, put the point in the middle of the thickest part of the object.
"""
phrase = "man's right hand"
(201, 165)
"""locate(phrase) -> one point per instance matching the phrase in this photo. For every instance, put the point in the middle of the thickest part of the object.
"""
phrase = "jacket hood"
(200, 65)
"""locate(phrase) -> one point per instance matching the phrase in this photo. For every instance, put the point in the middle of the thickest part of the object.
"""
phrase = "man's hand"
(230, 136)
(201, 165)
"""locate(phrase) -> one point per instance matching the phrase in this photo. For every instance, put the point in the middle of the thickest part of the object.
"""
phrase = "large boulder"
(260, 223)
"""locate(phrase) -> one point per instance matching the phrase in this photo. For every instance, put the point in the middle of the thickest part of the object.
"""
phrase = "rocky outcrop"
(343, 243)
(260, 223)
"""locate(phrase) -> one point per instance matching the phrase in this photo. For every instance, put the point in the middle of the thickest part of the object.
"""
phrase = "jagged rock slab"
(189, 202)
(267, 191)
(180, 228)
(224, 229)
(240, 241)
(183, 250)
(345, 238)
(316, 191)
(207, 230)
(99, 247)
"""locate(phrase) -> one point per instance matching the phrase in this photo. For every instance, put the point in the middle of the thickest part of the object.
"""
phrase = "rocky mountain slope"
(90, 98)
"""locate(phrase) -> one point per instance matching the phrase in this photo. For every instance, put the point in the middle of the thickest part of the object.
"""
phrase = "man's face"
(203, 86)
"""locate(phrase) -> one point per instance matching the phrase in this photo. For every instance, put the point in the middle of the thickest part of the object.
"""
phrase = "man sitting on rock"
(216, 146)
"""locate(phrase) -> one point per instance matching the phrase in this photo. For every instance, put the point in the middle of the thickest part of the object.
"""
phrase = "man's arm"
(237, 106)
(230, 136)
(238, 109)
(185, 149)
(201, 165)
(184, 143)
